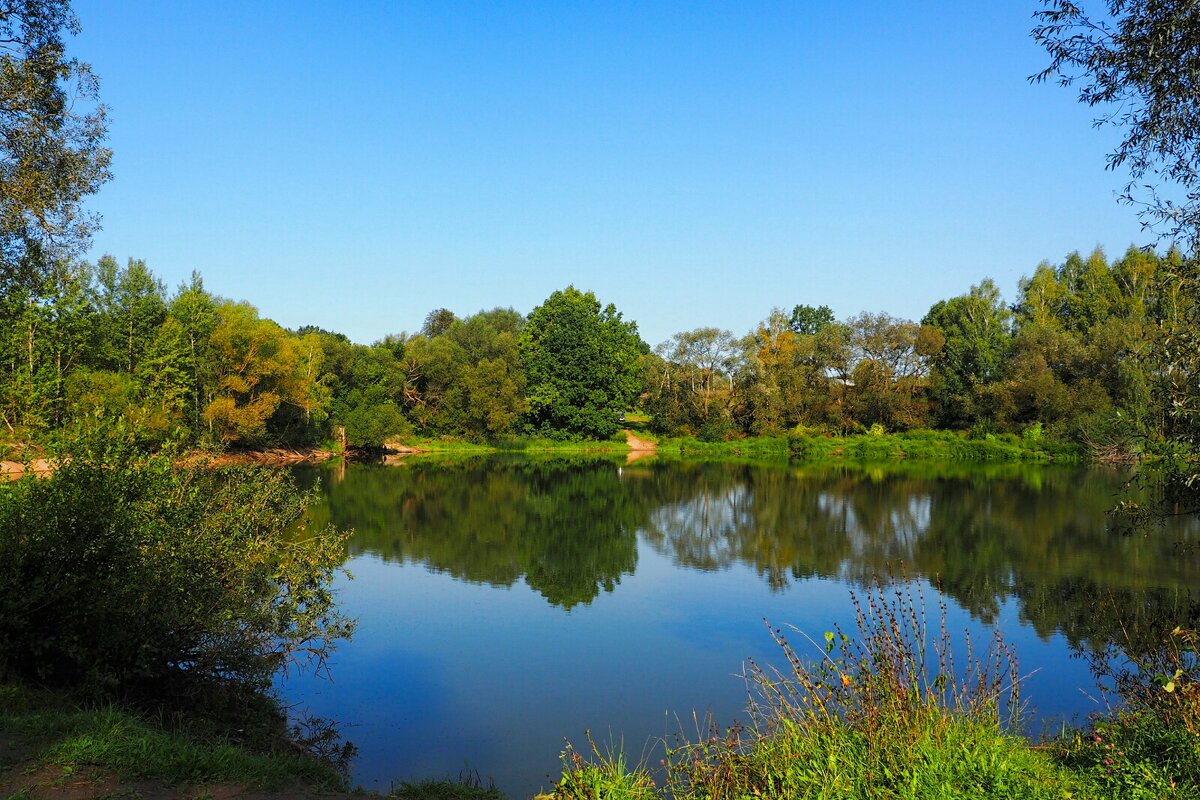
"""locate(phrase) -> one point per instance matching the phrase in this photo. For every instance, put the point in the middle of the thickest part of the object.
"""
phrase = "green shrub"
(800, 447)
(122, 573)
(605, 776)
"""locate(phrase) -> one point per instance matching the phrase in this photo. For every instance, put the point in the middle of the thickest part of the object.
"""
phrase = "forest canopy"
(1077, 354)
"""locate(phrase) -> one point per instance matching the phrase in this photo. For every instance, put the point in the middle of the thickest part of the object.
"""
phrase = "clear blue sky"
(354, 165)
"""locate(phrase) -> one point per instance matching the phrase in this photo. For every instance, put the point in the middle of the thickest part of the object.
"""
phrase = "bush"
(1109, 436)
(800, 447)
(124, 574)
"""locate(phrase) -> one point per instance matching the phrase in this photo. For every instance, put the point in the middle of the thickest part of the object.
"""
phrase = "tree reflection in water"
(570, 528)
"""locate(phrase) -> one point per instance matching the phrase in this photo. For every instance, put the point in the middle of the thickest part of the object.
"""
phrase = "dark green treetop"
(581, 364)
(808, 320)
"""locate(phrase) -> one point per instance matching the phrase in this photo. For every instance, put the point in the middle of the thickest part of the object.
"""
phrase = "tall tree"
(581, 365)
(51, 154)
(1137, 62)
(888, 381)
(691, 389)
(261, 371)
(976, 332)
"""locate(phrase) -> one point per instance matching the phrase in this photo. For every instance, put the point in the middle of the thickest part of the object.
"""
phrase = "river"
(507, 605)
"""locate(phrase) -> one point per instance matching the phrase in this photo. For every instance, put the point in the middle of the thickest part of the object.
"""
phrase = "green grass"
(921, 445)
(70, 739)
(918, 445)
(1134, 755)
(516, 444)
(467, 787)
(924, 445)
(889, 715)
(754, 448)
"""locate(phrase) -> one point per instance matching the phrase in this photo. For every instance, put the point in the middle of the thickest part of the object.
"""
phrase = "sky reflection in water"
(506, 605)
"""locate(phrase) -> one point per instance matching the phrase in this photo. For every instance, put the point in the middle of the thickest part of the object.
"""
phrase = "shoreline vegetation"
(921, 446)
(1075, 358)
(918, 445)
(881, 711)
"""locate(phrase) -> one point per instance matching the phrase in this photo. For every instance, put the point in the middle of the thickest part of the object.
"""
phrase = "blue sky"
(354, 165)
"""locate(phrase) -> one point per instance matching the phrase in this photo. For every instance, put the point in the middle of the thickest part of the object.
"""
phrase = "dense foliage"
(1136, 62)
(1091, 350)
(125, 574)
(581, 362)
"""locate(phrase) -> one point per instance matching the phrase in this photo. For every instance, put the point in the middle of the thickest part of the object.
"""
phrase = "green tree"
(807, 320)
(366, 386)
(487, 397)
(44, 336)
(976, 331)
(132, 304)
(1136, 61)
(891, 365)
(437, 322)
(51, 154)
(194, 314)
(581, 364)
(692, 390)
(260, 370)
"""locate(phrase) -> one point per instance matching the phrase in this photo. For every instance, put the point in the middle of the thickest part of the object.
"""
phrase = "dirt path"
(15, 469)
(641, 445)
(638, 448)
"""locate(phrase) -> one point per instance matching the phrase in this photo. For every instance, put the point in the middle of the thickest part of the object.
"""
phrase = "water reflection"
(650, 582)
(569, 528)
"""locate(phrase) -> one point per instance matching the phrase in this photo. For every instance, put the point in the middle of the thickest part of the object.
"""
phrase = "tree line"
(1076, 355)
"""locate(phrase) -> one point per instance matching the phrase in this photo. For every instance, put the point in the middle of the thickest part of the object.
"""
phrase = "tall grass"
(889, 712)
(927, 445)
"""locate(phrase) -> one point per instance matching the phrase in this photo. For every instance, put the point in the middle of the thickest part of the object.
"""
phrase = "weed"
(468, 786)
(887, 713)
(606, 776)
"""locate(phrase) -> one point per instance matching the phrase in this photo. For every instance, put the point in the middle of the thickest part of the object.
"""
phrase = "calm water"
(506, 605)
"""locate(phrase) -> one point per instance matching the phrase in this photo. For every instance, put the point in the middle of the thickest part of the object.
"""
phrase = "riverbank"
(920, 445)
(912, 446)
(876, 715)
(53, 747)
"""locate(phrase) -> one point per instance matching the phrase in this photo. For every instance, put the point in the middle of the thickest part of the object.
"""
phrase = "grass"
(888, 714)
(925, 445)
(916, 445)
(753, 448)
(468, 786)
(919, 445)
(515, 444)
(71, 739)
(51, 735)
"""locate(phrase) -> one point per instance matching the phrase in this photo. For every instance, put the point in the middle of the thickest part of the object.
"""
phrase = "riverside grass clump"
(63, 737)
(878, 446)
(928, 445)
(888, 713)
(1149, 745)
